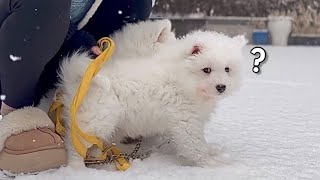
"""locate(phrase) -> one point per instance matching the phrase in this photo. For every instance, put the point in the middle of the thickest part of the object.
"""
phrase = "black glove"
(77, 39)
(81, 40)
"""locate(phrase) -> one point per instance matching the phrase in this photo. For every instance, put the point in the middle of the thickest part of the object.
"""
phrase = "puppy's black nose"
(221, 88)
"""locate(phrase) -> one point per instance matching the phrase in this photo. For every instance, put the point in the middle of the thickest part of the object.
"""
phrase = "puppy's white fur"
(166, 92)
(142, 39)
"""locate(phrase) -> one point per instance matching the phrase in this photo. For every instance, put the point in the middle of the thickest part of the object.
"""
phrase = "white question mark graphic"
(262, 56)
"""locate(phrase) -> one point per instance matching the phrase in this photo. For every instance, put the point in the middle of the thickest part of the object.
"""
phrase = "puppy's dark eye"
(227, 69)
(207, 70)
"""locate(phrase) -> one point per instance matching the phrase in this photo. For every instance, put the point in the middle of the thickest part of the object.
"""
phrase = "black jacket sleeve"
(112, 15)
(78, 39)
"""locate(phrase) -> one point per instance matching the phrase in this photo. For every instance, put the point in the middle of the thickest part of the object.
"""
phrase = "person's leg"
(1, 96)
(4, 12)
(31, 33)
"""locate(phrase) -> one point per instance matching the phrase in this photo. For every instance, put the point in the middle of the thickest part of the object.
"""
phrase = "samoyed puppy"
(171, 92)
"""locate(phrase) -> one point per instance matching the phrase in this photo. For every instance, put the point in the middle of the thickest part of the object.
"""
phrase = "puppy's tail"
(73, 68)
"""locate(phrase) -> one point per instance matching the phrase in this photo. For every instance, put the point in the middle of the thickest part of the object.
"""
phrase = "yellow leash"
(76, 133)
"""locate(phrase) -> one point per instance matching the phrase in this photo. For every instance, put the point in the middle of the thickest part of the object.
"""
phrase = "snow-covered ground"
(270, 128)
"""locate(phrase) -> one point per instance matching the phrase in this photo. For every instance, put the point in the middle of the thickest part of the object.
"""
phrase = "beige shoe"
(33, 151)
(33, 148)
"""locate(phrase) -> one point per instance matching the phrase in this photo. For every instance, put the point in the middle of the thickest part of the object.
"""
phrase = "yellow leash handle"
(121, 162)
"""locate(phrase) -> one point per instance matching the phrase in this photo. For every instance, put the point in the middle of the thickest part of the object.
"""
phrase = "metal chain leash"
(146, 154)
(133, 155)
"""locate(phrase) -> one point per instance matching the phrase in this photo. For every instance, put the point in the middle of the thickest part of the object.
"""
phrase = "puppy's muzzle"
(221, 88)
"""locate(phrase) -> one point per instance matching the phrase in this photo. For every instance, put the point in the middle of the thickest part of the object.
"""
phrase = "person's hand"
(96, 50)
(83, 41)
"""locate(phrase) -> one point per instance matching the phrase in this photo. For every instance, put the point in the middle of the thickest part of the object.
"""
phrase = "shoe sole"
(31, 163)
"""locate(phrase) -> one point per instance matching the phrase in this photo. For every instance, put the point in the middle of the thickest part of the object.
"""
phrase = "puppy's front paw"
(219, 155)
(209, 163)
(214, 151)
(76, 162)
(217, 160)
(77, 165)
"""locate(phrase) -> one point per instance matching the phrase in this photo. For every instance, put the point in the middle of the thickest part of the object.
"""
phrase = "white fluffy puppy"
(170, 93)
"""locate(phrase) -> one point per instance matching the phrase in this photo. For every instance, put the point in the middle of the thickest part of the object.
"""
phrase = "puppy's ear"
(165, 34)
(240, 40)
(196, 49)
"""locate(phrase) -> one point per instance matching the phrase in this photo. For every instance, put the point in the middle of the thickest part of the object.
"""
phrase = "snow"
(15, 58)
(2, 97)
(270, 128)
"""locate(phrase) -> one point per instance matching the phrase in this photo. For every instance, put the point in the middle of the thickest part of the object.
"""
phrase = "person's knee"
(19, 86)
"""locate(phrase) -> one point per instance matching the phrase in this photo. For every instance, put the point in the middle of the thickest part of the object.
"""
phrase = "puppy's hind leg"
(74, 159)
(103, 132)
